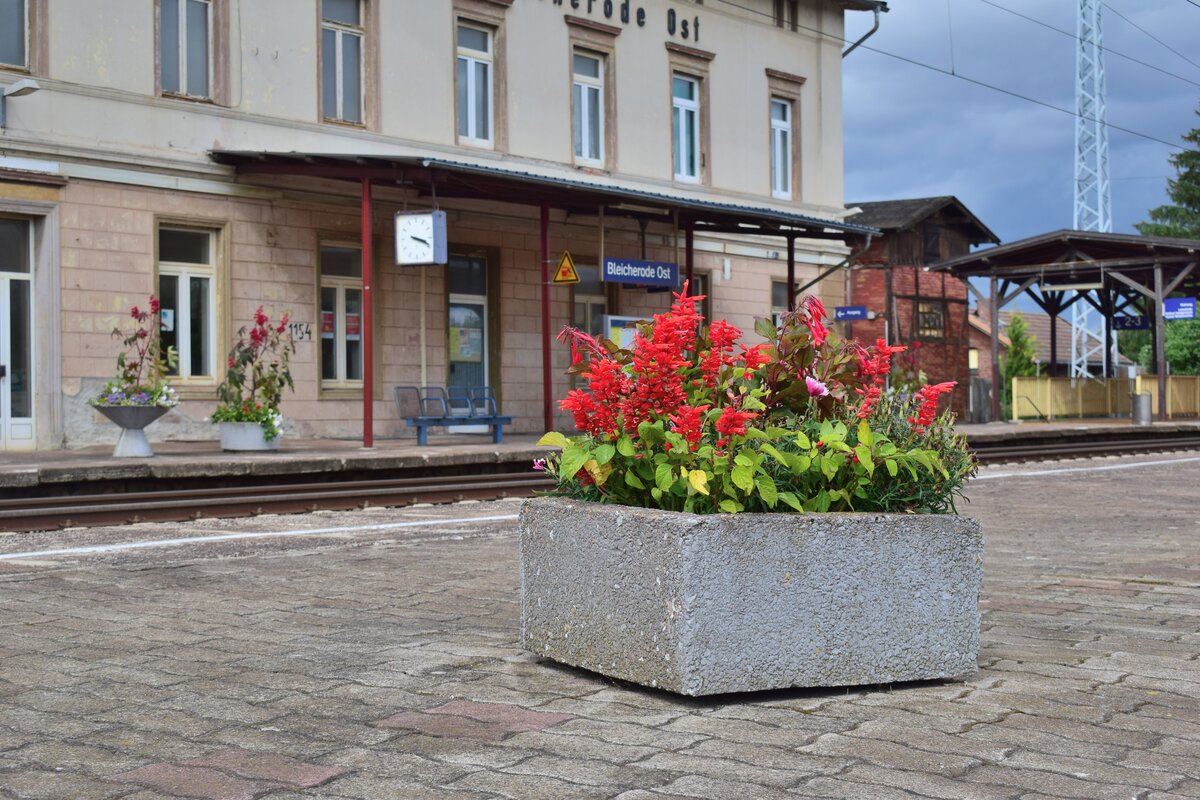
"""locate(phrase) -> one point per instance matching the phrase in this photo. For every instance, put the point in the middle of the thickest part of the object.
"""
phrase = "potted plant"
(256, 373)
(736, 518)
(139, 394)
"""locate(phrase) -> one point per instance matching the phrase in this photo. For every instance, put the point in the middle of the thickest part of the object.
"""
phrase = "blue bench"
(425, 407)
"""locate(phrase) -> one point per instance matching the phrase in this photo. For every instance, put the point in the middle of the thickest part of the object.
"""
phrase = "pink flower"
(539, 464)
(815, 387)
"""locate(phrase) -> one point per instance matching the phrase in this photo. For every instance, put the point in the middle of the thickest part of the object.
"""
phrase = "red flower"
(231, 362)
(688, 422)
(154, 305)
(135, 312)
(733, 422)
(260, 318)
(927, 411)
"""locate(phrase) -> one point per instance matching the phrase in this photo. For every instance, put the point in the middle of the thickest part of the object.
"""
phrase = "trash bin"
(1141, 409)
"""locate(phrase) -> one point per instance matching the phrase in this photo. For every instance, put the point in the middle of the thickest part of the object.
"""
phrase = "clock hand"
(419, 239)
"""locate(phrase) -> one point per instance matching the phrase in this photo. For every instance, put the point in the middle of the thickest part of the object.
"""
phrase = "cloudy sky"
(911, 132)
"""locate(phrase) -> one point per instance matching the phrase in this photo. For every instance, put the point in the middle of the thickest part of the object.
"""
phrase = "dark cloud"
(911, 132)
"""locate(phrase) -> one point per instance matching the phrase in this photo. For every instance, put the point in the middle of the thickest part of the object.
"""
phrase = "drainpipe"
(878, 7)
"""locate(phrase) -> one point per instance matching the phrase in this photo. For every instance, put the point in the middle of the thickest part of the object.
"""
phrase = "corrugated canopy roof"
(459, 179)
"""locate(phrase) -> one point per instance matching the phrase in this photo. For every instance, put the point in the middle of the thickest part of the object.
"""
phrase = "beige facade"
(111, 152)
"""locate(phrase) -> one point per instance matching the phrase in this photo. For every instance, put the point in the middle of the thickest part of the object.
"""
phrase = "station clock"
(421, 238)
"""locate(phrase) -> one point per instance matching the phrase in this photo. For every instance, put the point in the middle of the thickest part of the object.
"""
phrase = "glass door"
(467, 339)
(16, 335)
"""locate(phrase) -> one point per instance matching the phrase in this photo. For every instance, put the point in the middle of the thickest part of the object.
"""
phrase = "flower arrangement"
(142, 365)
(257, 371)
(688, 419)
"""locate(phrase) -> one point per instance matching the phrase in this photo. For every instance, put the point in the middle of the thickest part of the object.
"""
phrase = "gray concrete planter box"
(733, 603)
(245, 437)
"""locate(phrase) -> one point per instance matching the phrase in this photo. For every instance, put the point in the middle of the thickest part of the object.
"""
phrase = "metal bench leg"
(497, 433)
(422, 435)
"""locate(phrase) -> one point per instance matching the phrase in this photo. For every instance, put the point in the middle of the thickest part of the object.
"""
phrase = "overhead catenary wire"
(961, 77)
(1151, 35)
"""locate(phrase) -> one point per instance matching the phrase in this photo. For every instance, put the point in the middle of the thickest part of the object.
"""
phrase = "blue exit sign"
(846, 313)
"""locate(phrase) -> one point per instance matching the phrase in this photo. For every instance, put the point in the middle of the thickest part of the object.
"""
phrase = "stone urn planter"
(709, 604)
(132, 420)
(245, 436)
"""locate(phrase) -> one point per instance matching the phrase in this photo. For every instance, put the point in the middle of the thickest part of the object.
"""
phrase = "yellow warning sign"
(566, 272)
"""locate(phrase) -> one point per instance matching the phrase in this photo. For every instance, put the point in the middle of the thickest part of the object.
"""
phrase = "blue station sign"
(642, 273)
(1133, 322)
(1179, 308)
(842, 313)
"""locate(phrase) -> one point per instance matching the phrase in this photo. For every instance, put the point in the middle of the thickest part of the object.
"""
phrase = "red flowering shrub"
(257, 371)
(688, 418)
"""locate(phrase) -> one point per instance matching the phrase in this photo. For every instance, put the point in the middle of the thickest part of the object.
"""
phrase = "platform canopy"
(1118, 274)
(435, 178)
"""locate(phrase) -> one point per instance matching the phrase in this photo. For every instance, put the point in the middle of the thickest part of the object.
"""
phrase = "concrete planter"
(132, 419)
(245, 436)
(733, 603)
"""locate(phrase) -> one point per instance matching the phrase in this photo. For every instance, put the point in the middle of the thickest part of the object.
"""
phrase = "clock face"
(420, 238)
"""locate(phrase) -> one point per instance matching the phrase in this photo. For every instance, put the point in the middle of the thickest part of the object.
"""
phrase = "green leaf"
(778, 433)
(767, 490)
(743, 459)
(604, 453)
(631, 479)
(765, 328)
(799, 463)
(625, 446)
(891, 467)
(791, 500)
(865, 436)
(731, 506)
(754, 433)
(743, 477)
(553, 439)
(573, 459)
(657, 494)
(803, 441)
(664, 476)
(770, 450)
(864, 457)
(651, 433)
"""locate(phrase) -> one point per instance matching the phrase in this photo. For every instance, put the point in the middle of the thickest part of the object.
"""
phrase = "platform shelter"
(426, 181)
(1125, 277)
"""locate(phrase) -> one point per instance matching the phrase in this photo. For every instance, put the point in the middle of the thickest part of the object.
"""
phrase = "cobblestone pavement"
(382, 663)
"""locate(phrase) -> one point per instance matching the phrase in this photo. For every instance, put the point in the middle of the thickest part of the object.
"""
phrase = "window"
(342, 60)
(187, 290)
(467, 320)
(341, 314)
(185, 38)
(473, 85)
(779, 300)
(932, 244)
(686, 122)
(781, 148)
(589, 300)
(588, 98)
(14, 33)
(973, 359)
(786, 14)
(931, 320)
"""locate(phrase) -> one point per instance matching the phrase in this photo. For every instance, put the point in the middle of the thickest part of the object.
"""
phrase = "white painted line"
(225, 537)
(1065, 470)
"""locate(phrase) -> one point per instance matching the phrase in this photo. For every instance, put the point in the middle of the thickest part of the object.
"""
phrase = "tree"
(1180, 218)
(1021, 358)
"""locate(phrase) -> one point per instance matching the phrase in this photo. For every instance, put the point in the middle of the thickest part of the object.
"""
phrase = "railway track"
(172, 505)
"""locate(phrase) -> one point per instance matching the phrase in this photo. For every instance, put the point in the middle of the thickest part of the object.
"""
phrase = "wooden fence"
(1056, 398)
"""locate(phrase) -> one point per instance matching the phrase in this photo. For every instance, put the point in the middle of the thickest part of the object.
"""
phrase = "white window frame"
(182, 49)
(183, 272)
(581, 87)
(782, 134)
(340, 31)
(28, 41)
(684, 106)
(340, 284)
(473, 57)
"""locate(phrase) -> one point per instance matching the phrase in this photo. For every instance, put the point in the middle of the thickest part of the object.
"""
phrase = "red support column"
(547, 388)
(366, 322)
(791, 275)
(689, 259)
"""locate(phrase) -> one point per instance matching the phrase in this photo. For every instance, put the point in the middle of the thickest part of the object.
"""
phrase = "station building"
(227, 154)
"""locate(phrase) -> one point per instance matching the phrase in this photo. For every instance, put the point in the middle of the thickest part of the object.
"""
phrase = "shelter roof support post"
(547, 388)
(368, 354)
(791, 273)
(689, 259)
(1160, 347)
(995, 320)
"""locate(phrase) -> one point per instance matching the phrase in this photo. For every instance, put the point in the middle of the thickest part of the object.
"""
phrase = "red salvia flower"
(688, 422)
(928, 396)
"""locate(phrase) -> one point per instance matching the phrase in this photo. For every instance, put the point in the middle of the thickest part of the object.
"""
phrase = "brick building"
(929, 312)
(128, 167)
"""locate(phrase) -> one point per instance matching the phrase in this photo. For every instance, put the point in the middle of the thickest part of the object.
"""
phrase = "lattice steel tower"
(1093, 191)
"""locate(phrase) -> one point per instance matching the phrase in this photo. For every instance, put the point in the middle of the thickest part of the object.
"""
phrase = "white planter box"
(732, 603)
(245, 436)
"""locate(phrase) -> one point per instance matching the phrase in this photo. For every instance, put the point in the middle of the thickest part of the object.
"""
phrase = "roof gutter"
(877, 8)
